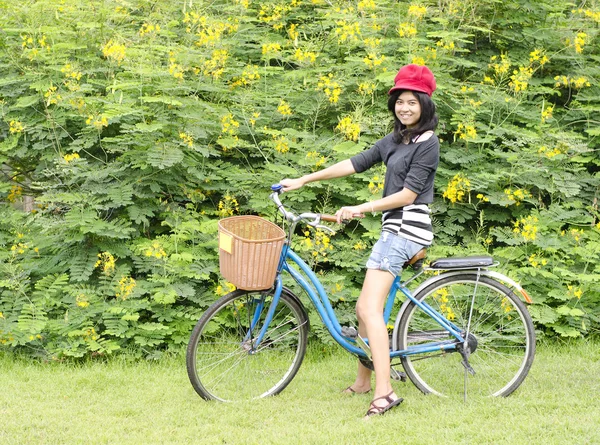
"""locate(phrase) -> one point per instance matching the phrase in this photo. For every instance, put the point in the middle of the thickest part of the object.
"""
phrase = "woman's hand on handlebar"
(291, 184)
(347, 213)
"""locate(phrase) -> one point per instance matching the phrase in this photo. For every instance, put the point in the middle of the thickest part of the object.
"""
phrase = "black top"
(408, 165)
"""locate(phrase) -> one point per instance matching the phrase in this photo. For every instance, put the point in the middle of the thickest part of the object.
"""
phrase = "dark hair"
(428, 121)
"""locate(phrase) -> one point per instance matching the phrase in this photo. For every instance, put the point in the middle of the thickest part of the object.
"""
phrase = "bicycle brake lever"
(328, 229)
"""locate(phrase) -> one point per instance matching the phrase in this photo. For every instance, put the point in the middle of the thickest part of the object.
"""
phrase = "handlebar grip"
(328, 218)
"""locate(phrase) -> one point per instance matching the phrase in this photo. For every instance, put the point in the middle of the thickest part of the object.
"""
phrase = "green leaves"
(133, 131)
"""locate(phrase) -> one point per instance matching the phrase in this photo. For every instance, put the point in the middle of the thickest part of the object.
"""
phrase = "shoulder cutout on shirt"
(423, 136)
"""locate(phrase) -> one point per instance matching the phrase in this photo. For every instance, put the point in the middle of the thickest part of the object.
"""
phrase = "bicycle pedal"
(362, 344)
(349, 332)
(398, 375)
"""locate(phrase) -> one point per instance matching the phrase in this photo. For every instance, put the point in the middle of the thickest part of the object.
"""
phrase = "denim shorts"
(391, 252)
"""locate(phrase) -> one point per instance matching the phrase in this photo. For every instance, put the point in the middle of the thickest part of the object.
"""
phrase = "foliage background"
(128, 128)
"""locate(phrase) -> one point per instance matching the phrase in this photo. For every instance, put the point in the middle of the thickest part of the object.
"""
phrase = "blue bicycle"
(462, 331)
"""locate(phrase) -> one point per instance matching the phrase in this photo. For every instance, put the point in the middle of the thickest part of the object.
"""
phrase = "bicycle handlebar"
(293, 218)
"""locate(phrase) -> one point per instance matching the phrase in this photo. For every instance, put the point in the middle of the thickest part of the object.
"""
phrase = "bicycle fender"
(492, 274)
(509, 281)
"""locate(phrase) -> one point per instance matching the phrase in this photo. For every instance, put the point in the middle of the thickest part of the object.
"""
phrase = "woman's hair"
(428, 121)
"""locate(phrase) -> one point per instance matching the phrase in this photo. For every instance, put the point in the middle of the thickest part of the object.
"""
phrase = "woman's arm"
(400, 199)
(343, 168)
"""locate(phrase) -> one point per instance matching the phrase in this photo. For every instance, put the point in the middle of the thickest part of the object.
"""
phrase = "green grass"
(122, 402)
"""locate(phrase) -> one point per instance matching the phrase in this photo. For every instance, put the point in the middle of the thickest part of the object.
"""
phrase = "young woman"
(411, 155)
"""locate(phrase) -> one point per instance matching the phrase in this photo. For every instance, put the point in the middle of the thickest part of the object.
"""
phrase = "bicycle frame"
(319, 298)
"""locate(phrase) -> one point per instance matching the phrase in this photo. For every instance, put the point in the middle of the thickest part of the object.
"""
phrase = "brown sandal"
(375, 410)
(349, 390)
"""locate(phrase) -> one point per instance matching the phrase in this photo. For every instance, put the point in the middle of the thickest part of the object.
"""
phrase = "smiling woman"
(411, 155)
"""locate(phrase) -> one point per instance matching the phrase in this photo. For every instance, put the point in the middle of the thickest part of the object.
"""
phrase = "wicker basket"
(249, 251)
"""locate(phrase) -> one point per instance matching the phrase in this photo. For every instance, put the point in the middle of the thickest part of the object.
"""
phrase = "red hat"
(415, 78)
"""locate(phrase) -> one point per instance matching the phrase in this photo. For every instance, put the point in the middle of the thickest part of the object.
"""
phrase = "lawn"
(121, 401)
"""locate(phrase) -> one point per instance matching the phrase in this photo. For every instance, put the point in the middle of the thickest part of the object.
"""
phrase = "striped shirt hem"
(412, 222)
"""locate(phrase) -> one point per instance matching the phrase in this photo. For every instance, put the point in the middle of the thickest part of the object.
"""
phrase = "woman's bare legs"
(369, 310)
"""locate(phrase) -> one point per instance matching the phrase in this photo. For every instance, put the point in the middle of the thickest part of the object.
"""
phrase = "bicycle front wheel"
(224, 361)
(501, 334)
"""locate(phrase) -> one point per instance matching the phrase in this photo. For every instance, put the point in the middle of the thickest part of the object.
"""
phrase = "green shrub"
(129, 128)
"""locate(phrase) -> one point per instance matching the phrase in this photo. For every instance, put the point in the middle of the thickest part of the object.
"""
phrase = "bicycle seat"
(416, 261)
(470, 262)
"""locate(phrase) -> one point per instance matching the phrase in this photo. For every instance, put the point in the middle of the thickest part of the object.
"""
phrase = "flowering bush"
(122, 148)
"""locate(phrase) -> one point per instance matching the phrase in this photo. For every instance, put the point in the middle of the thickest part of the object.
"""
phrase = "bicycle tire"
(242, 371)
(501, 324)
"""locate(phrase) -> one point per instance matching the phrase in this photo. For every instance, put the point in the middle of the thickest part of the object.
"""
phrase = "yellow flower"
(466, 132)
(82, 301)
(458, 188)
(255, 116)
(517, 196)
(225, 289)
(228, 206)
(249, 75)
(229, 125)
(106, 263)
(359, 245)
(417, 11)
(97, 122)
(319, 159)
(15, 127)
(407, 29)
(284, 108)
(70, 157)
(176, 70)
(15, 193)
(501, 68)
(366, 88)
(330, 87)
(271, 49)
(126, 287)
(350, 130)
(215, 66)
(573, 82)
(113, 50)
(293, 32)
(52, 97)
(347, 32)
(526, 227)
(281, 144)
(418, 60)
(372, 60)
(187, 139)
(580, 41)
(155, 250)
(547, 113)
(149, 28)
(520, 79)
(209, 32)
(376, 184)
(366, 5)
(274, 14)
(303, 56)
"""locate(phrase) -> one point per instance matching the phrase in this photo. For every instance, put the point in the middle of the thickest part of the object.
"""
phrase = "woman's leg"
(369, 310)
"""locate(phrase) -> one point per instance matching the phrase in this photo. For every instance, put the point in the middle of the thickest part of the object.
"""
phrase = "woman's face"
(408, 109)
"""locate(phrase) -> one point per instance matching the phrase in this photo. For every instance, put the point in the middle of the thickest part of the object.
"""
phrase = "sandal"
(375, 410)
(350, 390)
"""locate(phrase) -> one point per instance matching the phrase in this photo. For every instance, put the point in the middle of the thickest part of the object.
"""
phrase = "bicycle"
(463, 330)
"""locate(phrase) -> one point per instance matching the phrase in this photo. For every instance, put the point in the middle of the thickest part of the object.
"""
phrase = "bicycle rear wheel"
(500, 324)
(223, 360)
